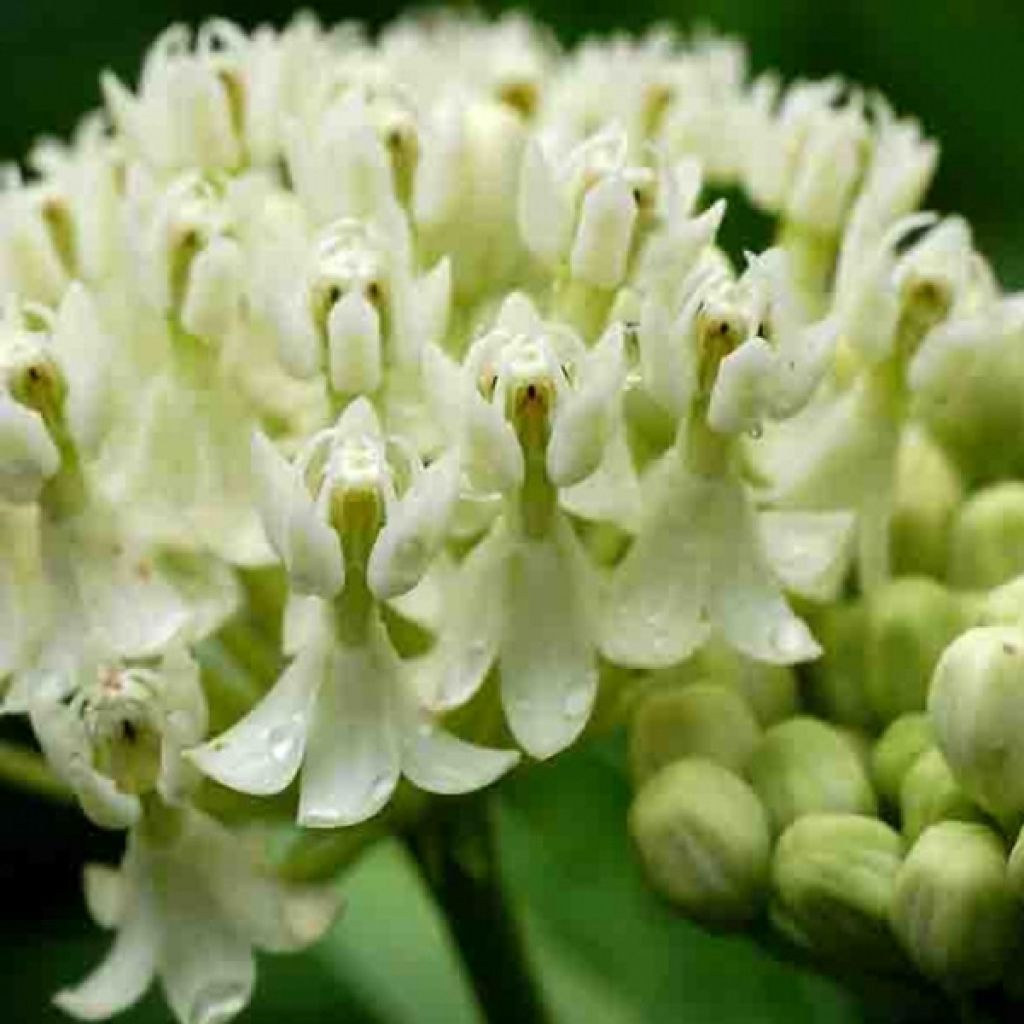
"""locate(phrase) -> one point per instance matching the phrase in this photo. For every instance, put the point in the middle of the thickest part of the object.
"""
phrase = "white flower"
(805, 154)
(579, 208)
(348, 710)
(698, 561)
(188, 909)
(193, 107)
(534, 411)
(115, 731)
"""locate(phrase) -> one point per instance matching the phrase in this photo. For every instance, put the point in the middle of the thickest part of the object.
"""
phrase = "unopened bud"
(930, 794)
(704, 840)
(910, 622)
(929, 491)
(976, 705)
(832, 879)
(805, 767)
(896, 752)
(704, 720)
(987, 546)
(953, 909)
(769, 690)
(836, 681)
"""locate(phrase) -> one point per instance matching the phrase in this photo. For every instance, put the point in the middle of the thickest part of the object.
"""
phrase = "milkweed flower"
(347, 538)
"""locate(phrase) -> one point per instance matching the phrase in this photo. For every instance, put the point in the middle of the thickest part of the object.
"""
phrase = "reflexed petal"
(269, 913)
(261, 753)
(468, 644)
(307, 544)
(548, 662)
(27, 455)
(352, 755)
(809, 552)
(354, 345)
(206, 966)
(605, 234)
(656, 605)
(122, 978)
(435, 760)
(415, 529)
(746, 602)
(582, 424)
(544, 216)
(106, 894)
(612, 492)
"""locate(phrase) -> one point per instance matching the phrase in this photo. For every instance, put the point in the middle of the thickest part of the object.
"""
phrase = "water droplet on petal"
(218, 1003)
(756, 432)
(576, 703)
(381, 787)
(283, 739)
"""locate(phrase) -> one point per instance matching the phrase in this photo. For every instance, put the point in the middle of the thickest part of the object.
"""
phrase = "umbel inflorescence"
(378, 414)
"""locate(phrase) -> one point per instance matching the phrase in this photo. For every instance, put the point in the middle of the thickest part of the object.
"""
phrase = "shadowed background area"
(611, 953)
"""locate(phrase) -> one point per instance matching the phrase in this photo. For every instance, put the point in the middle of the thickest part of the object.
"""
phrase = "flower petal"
(471, 632)
(354, 345)
(600, 251)
(746, 602)
(122, 978)
(28, 457)
(582, 424)
(271, 914)
(655, 609)
(415, 529)
(352, 754)
(439, 762)
(545, 218)
(214, 290)
(262, 752)
(548, 662)
(809, 552)
(308, 546)
(206, 966)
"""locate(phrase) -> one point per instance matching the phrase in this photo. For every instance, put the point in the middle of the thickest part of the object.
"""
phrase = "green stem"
(458, 859)
(25, 769)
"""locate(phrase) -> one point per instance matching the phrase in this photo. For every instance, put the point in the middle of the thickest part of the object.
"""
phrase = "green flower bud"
(836, 680)
(770, 690)
(701, 720)
(929, 491)
(910, 622)
(1003, 606)
(976, 705)
(953, 908)
(895, 752)
(804, 767)
(832, 881)
(704, 840)
(987, 546)
(930, 794)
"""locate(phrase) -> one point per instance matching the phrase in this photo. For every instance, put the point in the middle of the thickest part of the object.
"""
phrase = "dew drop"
(576, 703)
(756, 432)
(218, 1003)
(283, 739)
(381, 787)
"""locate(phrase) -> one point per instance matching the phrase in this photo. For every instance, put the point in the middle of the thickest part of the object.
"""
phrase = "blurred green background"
(609, 953)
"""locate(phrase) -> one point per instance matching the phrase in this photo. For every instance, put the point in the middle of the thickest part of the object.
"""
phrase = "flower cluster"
(373, 411)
